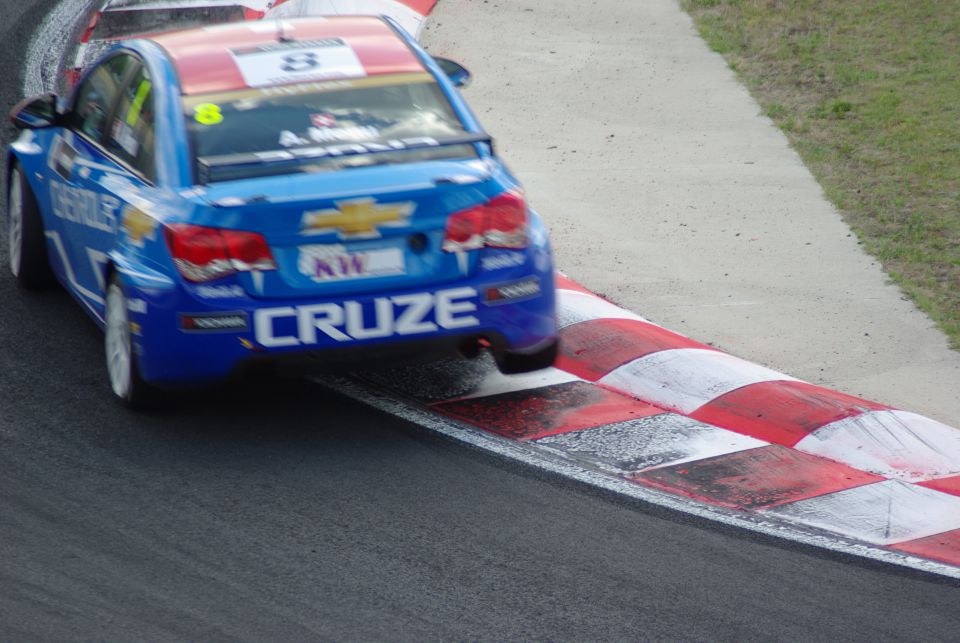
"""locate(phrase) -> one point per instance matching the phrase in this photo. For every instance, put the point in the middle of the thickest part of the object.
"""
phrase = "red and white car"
(120, 19)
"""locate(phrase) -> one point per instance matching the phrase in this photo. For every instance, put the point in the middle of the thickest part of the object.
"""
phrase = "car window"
(131, 134)
(304, 119)
(96, 95)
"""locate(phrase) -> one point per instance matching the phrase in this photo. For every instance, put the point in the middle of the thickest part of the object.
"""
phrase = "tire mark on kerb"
(42, 64)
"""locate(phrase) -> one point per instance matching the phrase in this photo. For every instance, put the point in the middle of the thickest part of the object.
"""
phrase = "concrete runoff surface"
(667, 191)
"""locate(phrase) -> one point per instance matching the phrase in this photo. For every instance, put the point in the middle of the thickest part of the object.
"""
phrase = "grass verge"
(868, 92)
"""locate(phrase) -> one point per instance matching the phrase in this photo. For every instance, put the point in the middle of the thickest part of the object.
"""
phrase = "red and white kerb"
(636, 401)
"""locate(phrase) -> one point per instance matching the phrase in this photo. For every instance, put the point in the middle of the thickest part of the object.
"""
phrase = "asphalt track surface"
(282, 510)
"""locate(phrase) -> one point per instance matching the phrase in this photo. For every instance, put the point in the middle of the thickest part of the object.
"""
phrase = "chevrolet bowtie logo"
(357, 218)
(138, 225)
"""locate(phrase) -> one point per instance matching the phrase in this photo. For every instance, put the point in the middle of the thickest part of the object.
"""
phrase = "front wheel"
(26, 244)
(122, 368)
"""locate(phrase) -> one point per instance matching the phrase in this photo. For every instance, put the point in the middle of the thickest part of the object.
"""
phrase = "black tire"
(26, 242)
(121, 361)
(512, 363)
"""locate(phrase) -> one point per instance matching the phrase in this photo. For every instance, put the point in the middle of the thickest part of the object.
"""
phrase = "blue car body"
(101, 219)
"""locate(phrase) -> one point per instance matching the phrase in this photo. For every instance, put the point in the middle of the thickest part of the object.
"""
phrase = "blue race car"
(296, 193)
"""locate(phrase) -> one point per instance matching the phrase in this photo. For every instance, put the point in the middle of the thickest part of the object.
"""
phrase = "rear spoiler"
(208, 166)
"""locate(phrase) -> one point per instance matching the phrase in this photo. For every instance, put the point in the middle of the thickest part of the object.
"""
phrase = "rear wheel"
(511, 363)
(122, 367)
(26, 243)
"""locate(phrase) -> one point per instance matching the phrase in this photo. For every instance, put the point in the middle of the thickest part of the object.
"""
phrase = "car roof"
(228, 57)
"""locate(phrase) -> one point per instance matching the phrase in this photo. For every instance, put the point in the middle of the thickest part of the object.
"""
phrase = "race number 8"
(300, 62)
(208, 114)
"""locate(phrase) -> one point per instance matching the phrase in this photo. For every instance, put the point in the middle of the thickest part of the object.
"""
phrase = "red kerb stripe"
(781, 412)
(566, 283)
(537, 413)
(423, 7)
(756, 478)
(946, 485)
(944, 547)
(591, 349)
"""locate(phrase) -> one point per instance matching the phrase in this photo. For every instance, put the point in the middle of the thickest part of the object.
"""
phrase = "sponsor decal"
(511, 292)
(400, 315)
(63, 158)
(138, 225)
(84, 207)
(357, 218)
(138, 306)
(333, 263)
(502, 260)
(123, 136)
(323, 120)
(347, 149)
(329, 135)
(213, 322)
(219, 292)
(290, 61)
(305, 88)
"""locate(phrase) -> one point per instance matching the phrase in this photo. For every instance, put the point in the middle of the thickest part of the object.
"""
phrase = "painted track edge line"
(410, 411)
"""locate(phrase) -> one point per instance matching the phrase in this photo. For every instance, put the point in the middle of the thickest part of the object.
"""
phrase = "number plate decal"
(323, 263)
(297, 61)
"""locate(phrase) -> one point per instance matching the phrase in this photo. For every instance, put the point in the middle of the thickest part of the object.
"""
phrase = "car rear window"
(323, 126)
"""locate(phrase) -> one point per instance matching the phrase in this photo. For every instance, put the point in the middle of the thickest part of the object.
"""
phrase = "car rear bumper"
(183, 339)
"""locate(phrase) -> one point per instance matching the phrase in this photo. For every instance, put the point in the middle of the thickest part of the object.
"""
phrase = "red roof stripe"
(204, 62)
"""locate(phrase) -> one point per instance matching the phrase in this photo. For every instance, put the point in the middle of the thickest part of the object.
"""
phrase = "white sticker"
(124, 137)
(334, 263)
(302, 60)
(219, 292)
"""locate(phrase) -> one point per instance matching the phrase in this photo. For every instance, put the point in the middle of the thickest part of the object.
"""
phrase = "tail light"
(204, 254)
(501, 222)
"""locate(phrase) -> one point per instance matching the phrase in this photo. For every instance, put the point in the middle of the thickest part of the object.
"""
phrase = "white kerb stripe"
(574, 307)
(495, 382)
(684, 379)
(894, 444)
(882, 513)
(629, 447)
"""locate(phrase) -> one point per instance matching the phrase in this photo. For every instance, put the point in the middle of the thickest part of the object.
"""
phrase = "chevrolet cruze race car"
(303, 192)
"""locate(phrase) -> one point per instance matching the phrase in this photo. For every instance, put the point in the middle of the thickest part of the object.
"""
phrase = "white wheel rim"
(15, 223)
(117, 342)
